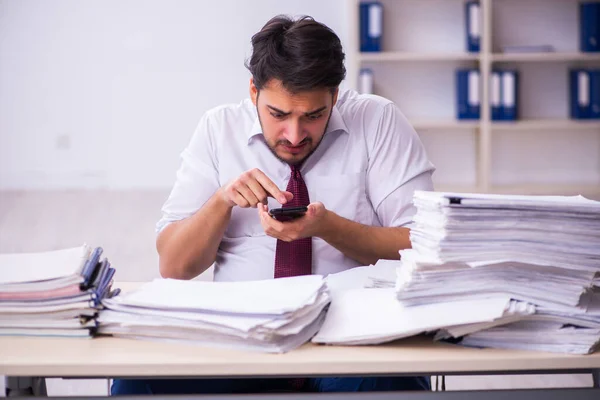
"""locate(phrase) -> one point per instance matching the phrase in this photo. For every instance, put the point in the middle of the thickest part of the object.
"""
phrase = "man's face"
(292, 124)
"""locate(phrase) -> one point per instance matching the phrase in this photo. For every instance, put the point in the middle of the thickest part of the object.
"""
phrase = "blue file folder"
(579, 93)
(365, 81)
(496, 95)
(595, 94)
(467, 94)
(589, 27)
(371, 26)
(473, 26)
(509, 94)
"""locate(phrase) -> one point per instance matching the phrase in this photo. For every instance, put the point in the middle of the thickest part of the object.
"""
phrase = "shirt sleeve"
(398, 165)
(197, 177)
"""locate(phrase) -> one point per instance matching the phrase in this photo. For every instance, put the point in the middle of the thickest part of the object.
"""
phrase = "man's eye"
(277, 115)
(314, 117)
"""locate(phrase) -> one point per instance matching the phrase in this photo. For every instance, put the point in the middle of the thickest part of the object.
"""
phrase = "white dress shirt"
(366, 169)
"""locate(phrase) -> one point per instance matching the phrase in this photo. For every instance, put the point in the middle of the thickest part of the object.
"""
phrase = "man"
(353, 160)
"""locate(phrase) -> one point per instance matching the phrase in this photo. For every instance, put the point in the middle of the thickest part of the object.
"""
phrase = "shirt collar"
(336, 123)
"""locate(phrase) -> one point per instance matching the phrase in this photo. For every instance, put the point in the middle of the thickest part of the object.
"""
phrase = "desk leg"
(25, 386)
(596, 377)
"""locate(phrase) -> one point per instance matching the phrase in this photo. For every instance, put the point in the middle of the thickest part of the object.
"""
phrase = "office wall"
(105, 94)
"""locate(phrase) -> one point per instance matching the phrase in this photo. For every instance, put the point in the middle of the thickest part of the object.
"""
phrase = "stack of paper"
(380, 275)
(365, 312)
(383, 274)
(526, 335)
(547, 230)
(419, 281)
(54, 293)
(373, 316)
(543, 250)
(275, 315)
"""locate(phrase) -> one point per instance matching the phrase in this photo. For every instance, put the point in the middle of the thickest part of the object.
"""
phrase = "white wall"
(106, 94)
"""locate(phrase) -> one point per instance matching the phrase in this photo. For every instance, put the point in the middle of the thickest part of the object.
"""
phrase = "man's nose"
(293, 133)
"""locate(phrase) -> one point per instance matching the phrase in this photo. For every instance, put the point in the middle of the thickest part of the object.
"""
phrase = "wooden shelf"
(411, 56)
(444, 124)
(546, 124)
(427, 53)
(386, 56)
(545, 57)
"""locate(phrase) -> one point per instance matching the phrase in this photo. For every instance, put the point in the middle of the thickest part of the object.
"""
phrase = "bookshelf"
(423, 44)
(415, 56)
(544, 124)
(545, 57)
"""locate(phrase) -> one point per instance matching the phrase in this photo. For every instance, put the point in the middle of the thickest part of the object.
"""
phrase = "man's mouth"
(295, 149)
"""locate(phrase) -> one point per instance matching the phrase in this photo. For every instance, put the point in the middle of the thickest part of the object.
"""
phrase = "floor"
(123, 224)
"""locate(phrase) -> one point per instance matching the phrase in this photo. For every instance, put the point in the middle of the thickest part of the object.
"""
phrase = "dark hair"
(302, 54)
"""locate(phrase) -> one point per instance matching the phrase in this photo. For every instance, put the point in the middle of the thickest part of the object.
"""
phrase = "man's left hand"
(306, 226)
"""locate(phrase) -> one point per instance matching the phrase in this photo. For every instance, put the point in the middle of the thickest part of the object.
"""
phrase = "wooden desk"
(108, 357)
(113, 357)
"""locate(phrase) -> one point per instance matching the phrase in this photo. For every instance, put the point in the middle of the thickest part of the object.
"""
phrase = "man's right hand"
(251, 188)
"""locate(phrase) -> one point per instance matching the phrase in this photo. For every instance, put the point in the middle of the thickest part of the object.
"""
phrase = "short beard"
(273, 150)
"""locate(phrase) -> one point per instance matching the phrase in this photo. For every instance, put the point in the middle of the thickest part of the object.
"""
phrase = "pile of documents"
(373, 316)
(379, 275)
(365, 310)
(540, 250)
(55, 293)
(275, 315)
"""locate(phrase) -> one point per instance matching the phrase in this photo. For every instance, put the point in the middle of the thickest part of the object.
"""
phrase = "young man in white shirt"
(354, 156)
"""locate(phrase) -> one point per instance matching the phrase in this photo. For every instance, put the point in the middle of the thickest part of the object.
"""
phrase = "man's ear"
(253, 92)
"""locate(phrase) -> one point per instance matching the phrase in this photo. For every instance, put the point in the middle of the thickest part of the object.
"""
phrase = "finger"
(315, 208)
(245, 191)
(288, 196)
(267, 221)
(270, 187)
(263, 211)
(258, 191)
(238, 199)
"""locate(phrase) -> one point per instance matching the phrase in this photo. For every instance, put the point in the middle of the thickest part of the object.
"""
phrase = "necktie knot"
(296, 172)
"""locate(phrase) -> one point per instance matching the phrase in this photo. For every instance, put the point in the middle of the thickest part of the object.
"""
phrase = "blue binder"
(509, 94)
(595, 94)
(467, 94)
(371, 26)
(495, 95)
(579, 93)
(365, 81)
(589, 27)
(473, 26)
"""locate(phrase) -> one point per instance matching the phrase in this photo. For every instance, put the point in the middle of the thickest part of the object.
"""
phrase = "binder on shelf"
(495, 93)
(595, 94)
(579, 93)
(473, 26)
(467, 94)
(365, 81)
(371, 26)
(509, 94)
(589, 27)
